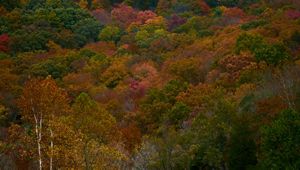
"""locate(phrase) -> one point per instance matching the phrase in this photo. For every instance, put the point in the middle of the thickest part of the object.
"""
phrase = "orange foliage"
(234, 65)
(232, 15)
(203, 6)
(132, 136)
(78, 82)
(268, 108)
(107, 48)
(199, 97)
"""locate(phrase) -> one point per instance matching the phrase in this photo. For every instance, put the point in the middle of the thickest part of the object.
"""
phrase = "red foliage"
(124, 15)
(175, 21)
(143, 16)
(4, 40)
(232, 16)
(292, 14)
(102, 15)
(203, 6)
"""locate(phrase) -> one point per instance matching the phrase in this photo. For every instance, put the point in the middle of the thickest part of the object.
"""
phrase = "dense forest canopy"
(150, 84)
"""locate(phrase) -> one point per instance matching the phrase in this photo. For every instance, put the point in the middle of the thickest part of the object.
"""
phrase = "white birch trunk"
(51, 147)
(38, 131)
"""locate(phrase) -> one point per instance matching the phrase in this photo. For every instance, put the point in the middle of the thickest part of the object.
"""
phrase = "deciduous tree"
(43, 101)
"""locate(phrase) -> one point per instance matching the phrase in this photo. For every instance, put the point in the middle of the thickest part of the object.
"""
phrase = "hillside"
(150, 84)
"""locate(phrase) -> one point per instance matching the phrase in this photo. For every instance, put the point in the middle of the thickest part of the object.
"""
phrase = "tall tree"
(42, 102)
(99, 128)
(280, 142)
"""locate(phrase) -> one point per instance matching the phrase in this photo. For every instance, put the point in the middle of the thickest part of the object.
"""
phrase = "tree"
(163, 6)
(178, 113)
(210, 131)
(272, 54)
(35, 4)
(54, 3)
(110, 33)
(30, 41)
(124, 15)
(131, 136)
(158, 104)
(144, 16)
(43, 101)
(175, 21)
(146, 4)
(247, 41)
(102, 16)
(89, 28)
(242, 147)
(99, 128)
(280, 142)
(10, 4)
(191, 70)
(4, 41)
(115, 74)
(71, 16)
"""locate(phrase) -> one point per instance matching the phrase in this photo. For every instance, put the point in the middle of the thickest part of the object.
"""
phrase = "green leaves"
(92, 120)
(280, 143)
(110, 33)
(89, 28)
(249, 42)
(253, 24)
(178, 114)
(272, 54)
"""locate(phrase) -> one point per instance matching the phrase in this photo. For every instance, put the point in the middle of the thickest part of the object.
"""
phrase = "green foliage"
(10, 4)
(231, 3)
(209, 134)
(3, 56)
(178, 114)
(273, 54)
(253, 24)
(158, 103)
(247, 41)
(144, 4)
(71, 16)
(110, 33)
(154, 72)
(280, 142)
(35, 4)
(217, 12)
(199, 24)
(25, 41)
(242, 147)
(294, 41)
(89, 28)
(144, 38)
(205, 33)
(56, 69)
(94, 121)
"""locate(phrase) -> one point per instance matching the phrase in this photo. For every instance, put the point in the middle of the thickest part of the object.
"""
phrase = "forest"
(150, 84)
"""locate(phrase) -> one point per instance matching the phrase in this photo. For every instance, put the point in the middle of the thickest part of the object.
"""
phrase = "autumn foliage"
(149, 84)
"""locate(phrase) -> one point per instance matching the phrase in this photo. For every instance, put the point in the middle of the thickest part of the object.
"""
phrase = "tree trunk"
(38, 131)
(51, 147)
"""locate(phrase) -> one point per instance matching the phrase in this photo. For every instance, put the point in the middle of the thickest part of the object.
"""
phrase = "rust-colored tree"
(42, 102)
(4, 41)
